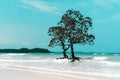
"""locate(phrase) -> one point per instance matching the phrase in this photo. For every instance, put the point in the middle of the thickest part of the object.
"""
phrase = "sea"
(91, 62)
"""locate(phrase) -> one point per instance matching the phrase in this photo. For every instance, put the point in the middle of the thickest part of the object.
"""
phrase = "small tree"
(72, 29)
(76, 26)
(58, 38)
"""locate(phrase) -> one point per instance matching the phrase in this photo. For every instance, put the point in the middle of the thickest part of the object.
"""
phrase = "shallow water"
(95, 63)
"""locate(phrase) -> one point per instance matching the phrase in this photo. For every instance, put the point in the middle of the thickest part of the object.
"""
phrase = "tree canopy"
(71, 29)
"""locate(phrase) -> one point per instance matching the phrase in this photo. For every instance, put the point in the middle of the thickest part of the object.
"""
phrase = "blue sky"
(24, 23)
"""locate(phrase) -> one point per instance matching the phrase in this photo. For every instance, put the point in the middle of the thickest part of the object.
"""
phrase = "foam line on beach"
(63, 73)
(13, 60)
(53, 73)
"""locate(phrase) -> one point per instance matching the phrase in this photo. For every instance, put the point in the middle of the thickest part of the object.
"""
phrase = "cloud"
(102, 3)
(107, 4)
(40, 5)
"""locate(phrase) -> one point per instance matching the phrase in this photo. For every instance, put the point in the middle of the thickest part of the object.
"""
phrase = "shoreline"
(44, 74)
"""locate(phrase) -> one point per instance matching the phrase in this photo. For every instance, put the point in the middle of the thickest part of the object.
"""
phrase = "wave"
(13, 60)
(100, 58)
(99, 54)
(111, 63)
(13, 54)
(60, 60)
(116, 54)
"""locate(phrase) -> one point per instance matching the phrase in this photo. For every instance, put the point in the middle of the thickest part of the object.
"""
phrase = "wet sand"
(27, 74)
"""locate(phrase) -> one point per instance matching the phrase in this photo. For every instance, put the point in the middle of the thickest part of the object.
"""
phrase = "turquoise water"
(97, 63)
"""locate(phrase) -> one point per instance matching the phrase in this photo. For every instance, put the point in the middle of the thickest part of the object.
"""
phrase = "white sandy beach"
(25, 74)
(35, 67)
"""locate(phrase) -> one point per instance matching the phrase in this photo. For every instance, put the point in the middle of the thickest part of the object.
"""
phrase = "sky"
(25, 23)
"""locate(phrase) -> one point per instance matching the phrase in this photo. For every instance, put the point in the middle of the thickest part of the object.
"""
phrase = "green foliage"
(71, 29)
(77, 26)
(25, 50)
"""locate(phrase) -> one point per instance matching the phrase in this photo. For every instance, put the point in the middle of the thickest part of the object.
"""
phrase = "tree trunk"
(64, 50)
(64, 54)
(72, 51)
(72, 48)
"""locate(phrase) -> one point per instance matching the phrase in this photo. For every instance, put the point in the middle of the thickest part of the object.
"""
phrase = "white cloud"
(40, 5)
(26, 7)
(102, 3)
(107, 4)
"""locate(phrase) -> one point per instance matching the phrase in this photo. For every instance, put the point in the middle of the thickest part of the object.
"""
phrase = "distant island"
(25, 50)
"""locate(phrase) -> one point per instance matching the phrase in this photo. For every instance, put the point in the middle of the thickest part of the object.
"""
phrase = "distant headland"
(25, 50)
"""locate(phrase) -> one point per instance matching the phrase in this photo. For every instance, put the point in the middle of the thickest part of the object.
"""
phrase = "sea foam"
(100, 58)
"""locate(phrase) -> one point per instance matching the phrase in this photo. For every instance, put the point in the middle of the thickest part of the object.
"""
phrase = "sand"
(27, 74)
